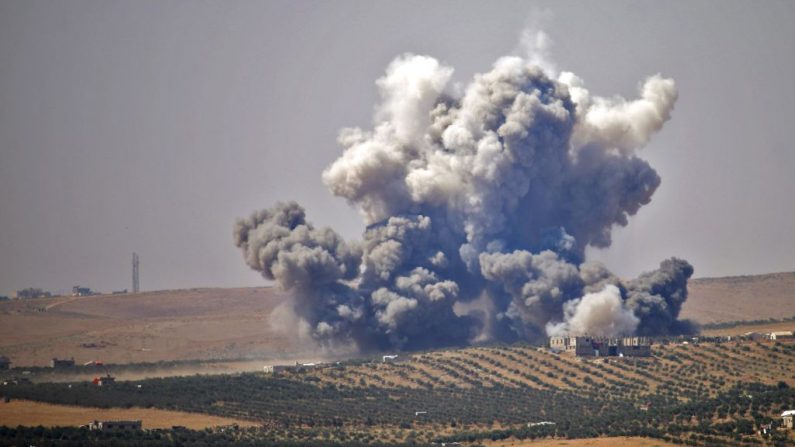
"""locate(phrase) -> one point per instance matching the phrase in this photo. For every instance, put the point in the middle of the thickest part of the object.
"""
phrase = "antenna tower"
(136, 285)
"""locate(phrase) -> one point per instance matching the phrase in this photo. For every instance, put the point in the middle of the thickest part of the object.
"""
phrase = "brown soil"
(738, 298)
(745, 328)
(22, 412)
(226, 324)
(144, 327)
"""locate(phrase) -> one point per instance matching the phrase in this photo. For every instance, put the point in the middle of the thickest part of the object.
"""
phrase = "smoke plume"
(490, 194)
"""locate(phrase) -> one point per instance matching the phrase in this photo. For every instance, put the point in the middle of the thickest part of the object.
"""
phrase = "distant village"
(35, 292)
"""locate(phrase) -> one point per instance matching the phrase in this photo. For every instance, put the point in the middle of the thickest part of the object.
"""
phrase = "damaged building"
(588, 346)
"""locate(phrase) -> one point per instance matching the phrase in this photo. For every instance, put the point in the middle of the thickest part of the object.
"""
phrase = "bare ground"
(744, 328)
(738, 298)
(236, 324)
(23, 412)
(145, 327)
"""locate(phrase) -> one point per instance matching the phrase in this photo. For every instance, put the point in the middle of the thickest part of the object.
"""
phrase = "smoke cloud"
(490, 193)
(600, 313)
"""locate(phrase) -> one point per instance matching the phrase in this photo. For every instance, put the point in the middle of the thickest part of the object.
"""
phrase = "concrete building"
(786, 419)
(30, 292)
(57, 363)
(634, 347)
(270, 369)
(81, 291)
(781, 335)
(5, 362)
(114, 425)
(394, 358)
(587, 346)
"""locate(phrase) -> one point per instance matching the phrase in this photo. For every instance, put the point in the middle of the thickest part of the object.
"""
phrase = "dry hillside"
(738, 298)
(707, 394)
(144, 327)
(236, 324)
(22, 412)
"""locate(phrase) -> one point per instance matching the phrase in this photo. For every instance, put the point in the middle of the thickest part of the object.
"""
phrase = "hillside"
(738, 298)
(698, 394)
(22, 412)
(236, 323)
(145, 327)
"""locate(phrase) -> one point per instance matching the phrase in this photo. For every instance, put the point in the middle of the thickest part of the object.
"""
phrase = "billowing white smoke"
(600, 313)
(495, 193)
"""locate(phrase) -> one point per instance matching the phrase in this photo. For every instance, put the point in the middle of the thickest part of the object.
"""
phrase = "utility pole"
(136, 284)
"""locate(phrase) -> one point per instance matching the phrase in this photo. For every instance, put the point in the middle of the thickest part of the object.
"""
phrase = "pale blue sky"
(150, 126)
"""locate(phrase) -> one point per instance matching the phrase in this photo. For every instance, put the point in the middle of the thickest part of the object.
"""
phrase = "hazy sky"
(149, 126)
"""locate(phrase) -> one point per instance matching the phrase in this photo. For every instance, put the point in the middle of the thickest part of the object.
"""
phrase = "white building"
(786, 419)
(780, 335)
(114, 425)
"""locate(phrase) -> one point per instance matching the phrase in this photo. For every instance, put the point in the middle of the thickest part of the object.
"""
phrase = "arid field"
(23, 412)
(235, 324)
(739, 298)
(146, 327)
(744, 328)
(705, 394)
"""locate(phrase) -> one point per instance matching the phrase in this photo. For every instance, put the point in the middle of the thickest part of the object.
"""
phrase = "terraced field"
(699, 394)
(679, 370)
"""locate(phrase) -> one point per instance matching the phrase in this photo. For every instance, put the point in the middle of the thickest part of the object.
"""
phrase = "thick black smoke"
(489, 196)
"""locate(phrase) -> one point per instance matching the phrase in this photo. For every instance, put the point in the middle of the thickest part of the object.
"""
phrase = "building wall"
(62, 363)
(585, 346)
(115, 425)
(780, 335)
(635, 351)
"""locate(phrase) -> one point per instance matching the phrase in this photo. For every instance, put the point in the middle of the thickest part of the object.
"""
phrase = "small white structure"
(389, 358)
(114, 425)
(786, 419)
(781, 335)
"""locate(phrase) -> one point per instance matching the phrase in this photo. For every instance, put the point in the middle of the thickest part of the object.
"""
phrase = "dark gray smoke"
(657, 297)
(489, 194)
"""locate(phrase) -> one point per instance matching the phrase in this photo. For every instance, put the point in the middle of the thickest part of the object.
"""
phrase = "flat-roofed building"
(587, 346)
(62, 363)
(115, 425)
(786, 419)
(781, 335)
